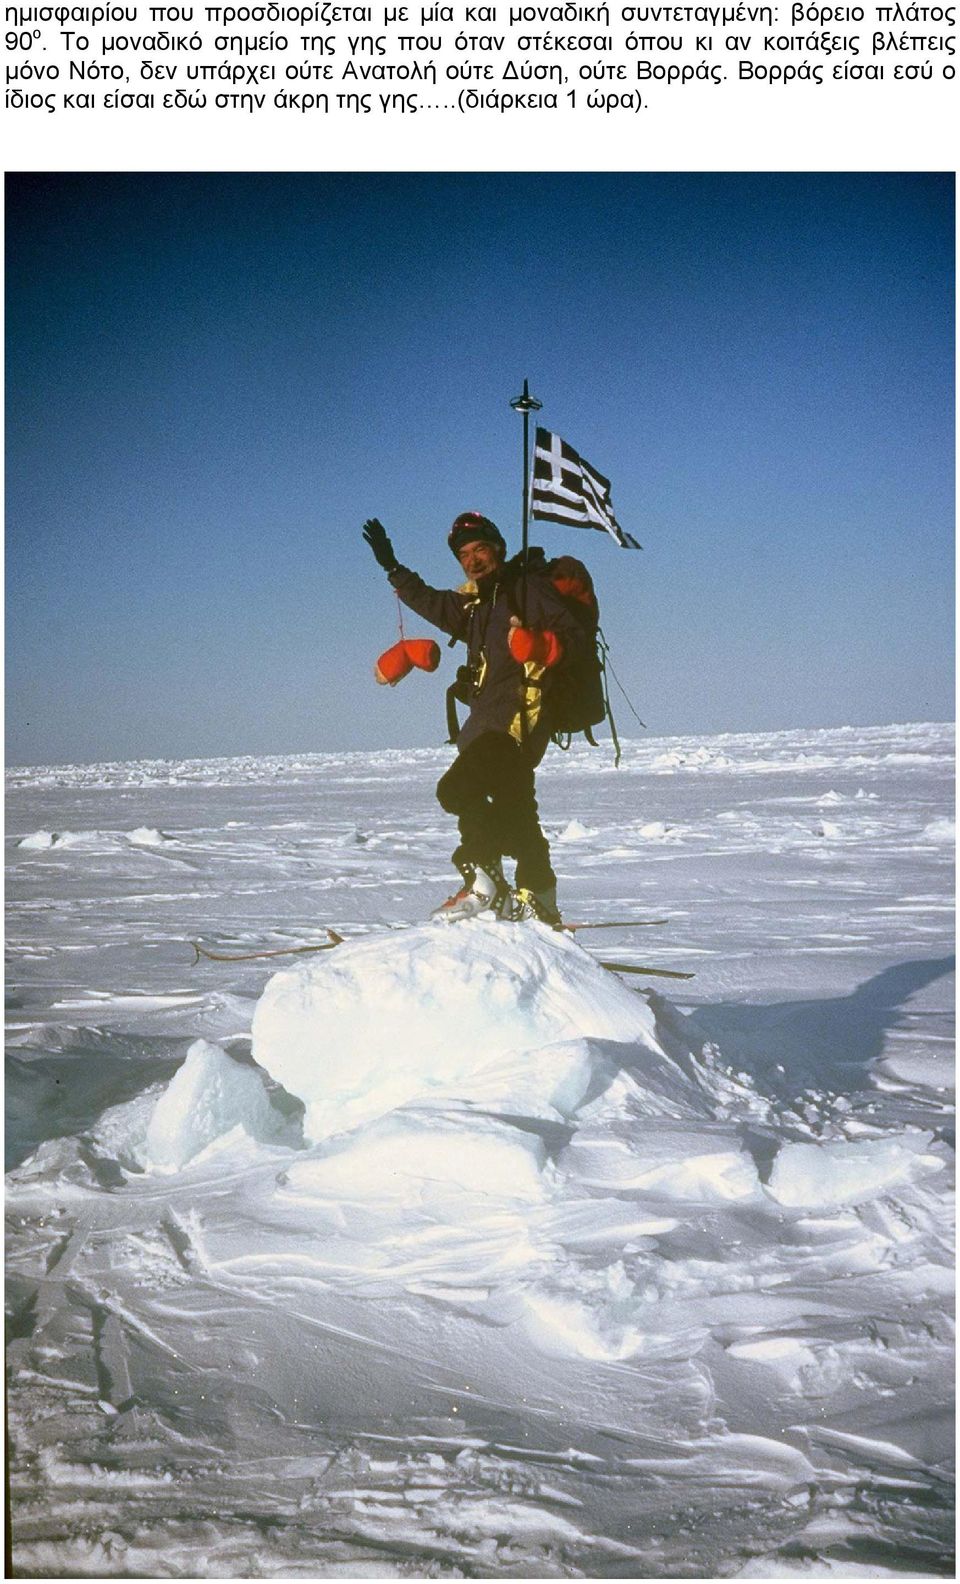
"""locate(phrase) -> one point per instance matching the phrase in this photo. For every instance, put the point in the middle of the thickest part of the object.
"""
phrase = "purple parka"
(479, 616)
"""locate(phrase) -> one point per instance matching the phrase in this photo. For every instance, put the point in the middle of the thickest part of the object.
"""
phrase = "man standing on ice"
(511, 669)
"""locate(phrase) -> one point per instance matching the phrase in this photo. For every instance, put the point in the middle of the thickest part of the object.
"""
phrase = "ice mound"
(575, 831)
(143, 836)
(838, 1173)
(938, 830)
(43, 838)
(208, 1098)
(146, 836)
(689, 759)
(459, 1012)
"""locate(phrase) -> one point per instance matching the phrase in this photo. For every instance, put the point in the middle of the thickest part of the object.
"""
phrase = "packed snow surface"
(446, 1251)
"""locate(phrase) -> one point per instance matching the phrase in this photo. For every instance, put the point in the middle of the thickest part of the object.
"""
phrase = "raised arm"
(443, 608)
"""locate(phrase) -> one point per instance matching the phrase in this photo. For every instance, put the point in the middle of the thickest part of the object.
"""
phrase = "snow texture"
(446, 1252)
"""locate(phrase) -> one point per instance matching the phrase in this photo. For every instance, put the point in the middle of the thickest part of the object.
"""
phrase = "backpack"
(577, 696)
(579, 699)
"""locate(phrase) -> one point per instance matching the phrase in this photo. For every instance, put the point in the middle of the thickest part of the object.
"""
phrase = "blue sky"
(212, 380)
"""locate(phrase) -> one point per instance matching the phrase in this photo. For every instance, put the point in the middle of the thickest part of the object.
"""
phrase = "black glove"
(379, 541)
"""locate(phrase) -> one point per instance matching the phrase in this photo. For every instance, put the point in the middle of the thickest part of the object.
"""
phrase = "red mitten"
(393, 665)
(399, 661)
(423, 652)
(571, 579)
(543, 648)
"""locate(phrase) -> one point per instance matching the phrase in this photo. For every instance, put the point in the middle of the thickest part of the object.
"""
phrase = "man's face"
(478, 559)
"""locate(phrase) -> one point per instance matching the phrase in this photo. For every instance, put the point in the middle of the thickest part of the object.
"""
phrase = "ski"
(276, 951)
(337, 940)
(662, 973)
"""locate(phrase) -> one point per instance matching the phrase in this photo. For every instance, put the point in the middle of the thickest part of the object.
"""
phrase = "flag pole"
(526, 404)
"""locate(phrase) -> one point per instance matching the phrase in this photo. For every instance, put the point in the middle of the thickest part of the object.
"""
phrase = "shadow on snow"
(829, 1043)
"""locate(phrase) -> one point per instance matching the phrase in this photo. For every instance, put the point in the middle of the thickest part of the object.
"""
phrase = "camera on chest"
(470, 679)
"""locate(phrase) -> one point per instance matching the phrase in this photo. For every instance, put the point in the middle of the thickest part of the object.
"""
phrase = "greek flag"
(565, 489)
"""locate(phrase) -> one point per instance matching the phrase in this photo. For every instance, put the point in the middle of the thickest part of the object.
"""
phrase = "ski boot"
(484, 890)
(541, 905)
(456, 897)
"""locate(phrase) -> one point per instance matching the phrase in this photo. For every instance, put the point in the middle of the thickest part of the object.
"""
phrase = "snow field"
(447, 1252)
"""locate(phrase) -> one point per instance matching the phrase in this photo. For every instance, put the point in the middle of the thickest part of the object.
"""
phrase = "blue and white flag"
(565, 489)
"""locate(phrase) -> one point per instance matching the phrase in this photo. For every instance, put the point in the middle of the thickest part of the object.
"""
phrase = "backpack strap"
(453, 721)
(603, 650)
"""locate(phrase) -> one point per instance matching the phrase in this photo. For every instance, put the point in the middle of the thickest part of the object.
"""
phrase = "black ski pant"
(490, 788)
